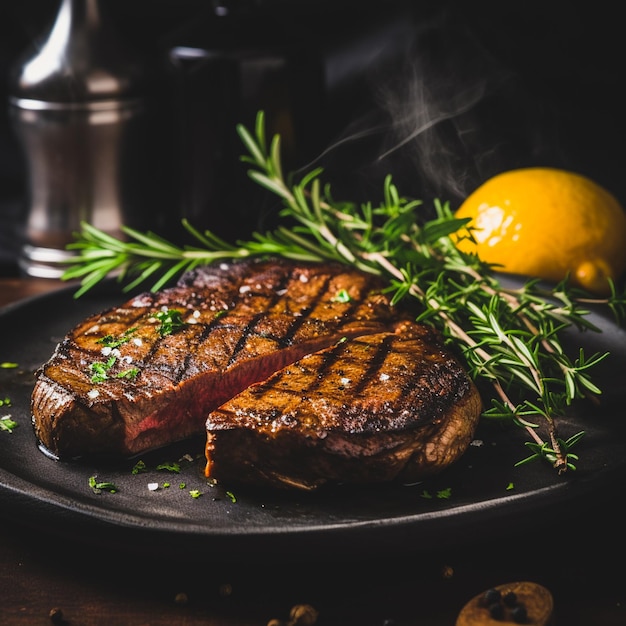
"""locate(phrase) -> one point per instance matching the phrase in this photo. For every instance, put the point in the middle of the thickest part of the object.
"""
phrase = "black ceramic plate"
(484, 489)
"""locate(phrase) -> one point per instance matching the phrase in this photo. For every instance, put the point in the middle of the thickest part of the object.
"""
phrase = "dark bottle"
(77, 106)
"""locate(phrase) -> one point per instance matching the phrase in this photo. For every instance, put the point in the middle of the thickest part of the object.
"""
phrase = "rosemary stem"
(459, 333)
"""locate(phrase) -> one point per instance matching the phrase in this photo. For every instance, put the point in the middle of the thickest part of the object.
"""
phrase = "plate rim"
(504, 507)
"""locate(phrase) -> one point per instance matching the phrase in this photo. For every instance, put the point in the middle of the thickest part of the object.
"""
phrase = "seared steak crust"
(394, 405)
(120, 383)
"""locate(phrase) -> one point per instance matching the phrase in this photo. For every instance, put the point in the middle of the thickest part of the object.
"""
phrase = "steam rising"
(444, 117)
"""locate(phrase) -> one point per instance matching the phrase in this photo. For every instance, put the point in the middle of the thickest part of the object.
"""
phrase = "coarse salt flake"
(93, 393)
(345, 381)
(383, 377)
(137, 341)
(304, 278)
(244, 288)
(477, 443)
(153, 486)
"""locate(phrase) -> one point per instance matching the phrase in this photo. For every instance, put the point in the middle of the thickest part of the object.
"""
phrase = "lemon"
(548, 223)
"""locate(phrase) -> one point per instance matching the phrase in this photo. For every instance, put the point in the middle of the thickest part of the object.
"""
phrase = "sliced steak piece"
(147, 373)
(370, 409)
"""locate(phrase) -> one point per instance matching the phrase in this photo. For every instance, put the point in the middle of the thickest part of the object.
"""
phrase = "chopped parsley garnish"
(171, 321)
(170, 467)
(231, 495)
(99, 487)
(115, 342)
(8, 365)
(139, 467)
(7, 424)
(100, 369)
(5, 401)
(342, 296)
(129, 373)
(442, 494)
(194, 493)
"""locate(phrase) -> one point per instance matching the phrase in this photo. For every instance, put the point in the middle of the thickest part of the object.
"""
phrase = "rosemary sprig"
(510, 337)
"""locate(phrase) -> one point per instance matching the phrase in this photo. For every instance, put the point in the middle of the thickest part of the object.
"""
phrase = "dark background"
(450, 92)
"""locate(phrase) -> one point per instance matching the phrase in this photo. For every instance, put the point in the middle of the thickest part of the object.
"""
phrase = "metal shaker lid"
(80, 60)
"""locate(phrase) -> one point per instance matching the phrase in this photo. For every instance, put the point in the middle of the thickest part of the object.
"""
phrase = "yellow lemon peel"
(548, 223)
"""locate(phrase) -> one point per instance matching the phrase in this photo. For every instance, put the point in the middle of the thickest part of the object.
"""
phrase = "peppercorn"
(181, 598)
(510, 598)
(302, 615)
(56, 615)
(496, 610)
(519, 614)
(519, 603)
(492, 596)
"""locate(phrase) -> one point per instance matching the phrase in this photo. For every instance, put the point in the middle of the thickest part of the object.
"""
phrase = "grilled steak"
(298, 374)
(394, 405)
(147, 373)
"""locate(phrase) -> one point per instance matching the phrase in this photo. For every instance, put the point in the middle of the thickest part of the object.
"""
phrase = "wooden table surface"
(50, 577)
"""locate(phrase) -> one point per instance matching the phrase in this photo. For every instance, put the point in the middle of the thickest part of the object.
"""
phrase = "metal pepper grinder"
(77, 107)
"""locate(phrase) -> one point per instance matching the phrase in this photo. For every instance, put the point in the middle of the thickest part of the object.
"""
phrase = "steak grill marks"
(229, 319)
(375, 363)
(383, 406)
(127, 317)
(244, 322)
(202, 338)
(360, 383)
(247, 330)
(335, 354)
